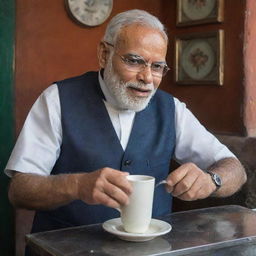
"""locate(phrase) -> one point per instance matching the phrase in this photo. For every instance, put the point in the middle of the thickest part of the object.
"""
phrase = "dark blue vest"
(90, 142)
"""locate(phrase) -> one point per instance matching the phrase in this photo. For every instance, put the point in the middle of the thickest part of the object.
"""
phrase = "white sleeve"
(38, 145)
(193, 142)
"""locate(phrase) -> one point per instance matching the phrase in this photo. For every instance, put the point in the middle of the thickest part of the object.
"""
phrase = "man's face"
(133, 89)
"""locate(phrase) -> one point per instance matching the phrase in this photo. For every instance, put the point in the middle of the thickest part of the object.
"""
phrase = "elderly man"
(85, 134)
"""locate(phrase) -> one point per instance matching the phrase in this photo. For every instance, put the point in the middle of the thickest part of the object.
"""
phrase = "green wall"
(7, 30)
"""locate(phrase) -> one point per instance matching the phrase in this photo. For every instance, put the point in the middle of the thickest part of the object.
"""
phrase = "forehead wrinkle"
(137, 37)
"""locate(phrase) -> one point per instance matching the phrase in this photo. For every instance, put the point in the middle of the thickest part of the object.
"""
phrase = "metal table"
(223, 231)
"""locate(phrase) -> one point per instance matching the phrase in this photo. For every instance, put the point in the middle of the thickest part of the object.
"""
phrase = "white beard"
(118, 90)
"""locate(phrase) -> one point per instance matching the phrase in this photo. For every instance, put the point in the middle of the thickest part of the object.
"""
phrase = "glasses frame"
(146, 64)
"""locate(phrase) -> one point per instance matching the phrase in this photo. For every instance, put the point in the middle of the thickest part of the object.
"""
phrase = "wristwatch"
(216, 179)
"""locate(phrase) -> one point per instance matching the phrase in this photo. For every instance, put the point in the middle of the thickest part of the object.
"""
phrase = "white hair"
(132, 17)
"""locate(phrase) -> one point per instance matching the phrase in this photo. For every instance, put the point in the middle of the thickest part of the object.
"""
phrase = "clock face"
(90, 12)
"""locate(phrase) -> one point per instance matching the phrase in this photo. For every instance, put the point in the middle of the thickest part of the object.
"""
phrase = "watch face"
(90, 12)
(217, 179)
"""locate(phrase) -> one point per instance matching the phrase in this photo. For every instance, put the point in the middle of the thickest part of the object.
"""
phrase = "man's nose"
(145, 75)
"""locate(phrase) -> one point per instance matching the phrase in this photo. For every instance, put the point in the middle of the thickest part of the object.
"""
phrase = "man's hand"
(105, 186)
(188, 182)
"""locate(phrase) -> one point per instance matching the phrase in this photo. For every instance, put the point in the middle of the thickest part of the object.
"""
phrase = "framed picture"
(199, 58)
(194, 12)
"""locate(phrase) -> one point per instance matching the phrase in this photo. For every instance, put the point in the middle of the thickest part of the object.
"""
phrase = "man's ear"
(103, 53)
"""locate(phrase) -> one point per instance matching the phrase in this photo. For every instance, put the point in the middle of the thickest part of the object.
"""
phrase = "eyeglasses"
(136, 63)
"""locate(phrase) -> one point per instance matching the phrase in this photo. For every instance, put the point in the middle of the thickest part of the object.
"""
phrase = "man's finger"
(116, 194)
(119, 179)
(185, 184)
(177, 175)
(102, 198)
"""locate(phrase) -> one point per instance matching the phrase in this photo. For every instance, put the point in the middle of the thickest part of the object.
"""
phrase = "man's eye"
(157, 66)
(134, 62)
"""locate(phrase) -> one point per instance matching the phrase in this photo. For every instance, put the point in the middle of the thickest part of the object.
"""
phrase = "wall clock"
(89, 12)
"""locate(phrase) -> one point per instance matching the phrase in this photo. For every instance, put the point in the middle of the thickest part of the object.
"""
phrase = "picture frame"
(194, 12)
(199, 58)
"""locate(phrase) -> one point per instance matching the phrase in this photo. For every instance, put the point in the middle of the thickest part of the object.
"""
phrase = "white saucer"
(156, 228)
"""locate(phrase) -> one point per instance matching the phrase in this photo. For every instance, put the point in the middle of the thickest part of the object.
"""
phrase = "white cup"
(136, 216)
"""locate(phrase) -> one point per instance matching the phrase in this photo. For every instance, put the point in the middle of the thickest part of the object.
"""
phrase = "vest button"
(127, 162)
